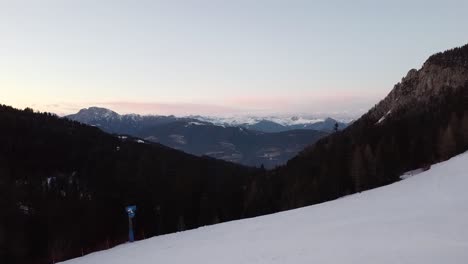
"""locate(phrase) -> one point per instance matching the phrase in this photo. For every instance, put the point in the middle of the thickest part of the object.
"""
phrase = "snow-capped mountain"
(250, 120)
(421, 219)
(108, 119)
(277, 123)
(113, 122)
(245, 144)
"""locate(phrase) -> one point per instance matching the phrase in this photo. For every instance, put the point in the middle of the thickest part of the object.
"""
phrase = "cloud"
(350, 104)
(166, 108)
(125, 107)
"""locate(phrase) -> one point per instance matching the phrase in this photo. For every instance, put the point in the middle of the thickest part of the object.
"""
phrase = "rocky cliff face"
(442, 71)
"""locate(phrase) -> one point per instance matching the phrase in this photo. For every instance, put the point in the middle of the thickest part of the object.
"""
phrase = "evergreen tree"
(464, 130)
(447, 145)
(371, 166)
(357, 169)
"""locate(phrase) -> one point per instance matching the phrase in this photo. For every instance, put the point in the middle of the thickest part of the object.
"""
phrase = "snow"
(381, 120)
(179, 139)
(49, 180)
(193, 123)
(383, 117)
(422, 219)
(411, 173)
(238, 120)
(140, 141)
(25, 209)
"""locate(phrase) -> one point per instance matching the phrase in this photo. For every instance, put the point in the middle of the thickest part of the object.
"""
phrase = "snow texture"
(422, 219)
(250, 120)
(411, 173)
(383, 117)
(194, 124)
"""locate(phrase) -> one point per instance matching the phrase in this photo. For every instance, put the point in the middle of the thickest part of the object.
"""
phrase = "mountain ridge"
(434, 76)
(239, 144)
(94, 113)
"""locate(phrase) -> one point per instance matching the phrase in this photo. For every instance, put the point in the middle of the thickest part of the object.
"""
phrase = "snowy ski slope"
(422, 219)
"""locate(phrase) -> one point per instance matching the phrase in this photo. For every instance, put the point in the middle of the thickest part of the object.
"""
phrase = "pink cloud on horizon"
(144, 108)
(165, 108)
(330, 102)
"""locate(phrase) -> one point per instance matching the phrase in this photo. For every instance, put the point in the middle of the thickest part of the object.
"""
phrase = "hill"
(421, 219)
(64, 186)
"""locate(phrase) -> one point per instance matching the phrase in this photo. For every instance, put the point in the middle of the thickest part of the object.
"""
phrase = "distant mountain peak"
(94, 113)
(97, 109)
(329, 119)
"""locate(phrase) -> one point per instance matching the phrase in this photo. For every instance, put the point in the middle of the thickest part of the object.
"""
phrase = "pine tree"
(464, 130)
(181, 223)
(447, 145)
(357, 169)
(371, 166)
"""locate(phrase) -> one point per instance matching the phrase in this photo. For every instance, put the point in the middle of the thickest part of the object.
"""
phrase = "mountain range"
(273, 123)
(262, 143)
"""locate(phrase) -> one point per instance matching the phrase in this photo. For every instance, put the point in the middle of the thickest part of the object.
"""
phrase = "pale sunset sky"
(217, 57)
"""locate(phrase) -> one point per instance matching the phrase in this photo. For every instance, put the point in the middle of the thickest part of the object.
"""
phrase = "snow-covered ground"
(422, 219)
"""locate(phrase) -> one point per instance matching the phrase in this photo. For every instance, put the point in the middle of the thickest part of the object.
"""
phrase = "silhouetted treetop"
(452, 57)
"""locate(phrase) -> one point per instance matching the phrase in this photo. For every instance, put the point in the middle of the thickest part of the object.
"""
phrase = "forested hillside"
(420, 220)
(423, 120)
(64, 186)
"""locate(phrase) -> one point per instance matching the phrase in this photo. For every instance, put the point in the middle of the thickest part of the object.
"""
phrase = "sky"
(217, 57)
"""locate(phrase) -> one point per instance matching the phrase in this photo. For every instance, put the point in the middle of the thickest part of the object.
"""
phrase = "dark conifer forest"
(64, 185)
